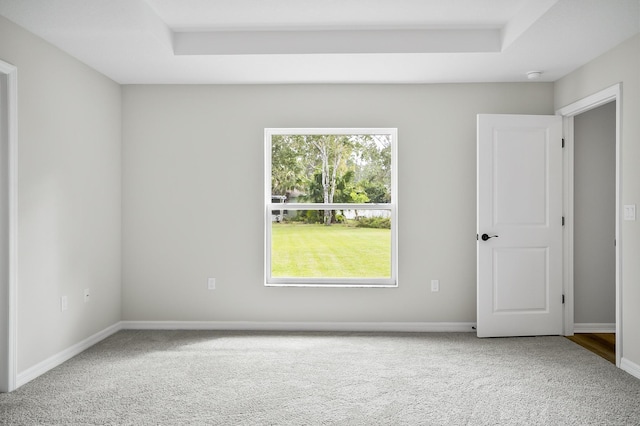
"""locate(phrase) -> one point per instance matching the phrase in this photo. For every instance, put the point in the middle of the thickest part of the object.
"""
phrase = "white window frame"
(270, 281)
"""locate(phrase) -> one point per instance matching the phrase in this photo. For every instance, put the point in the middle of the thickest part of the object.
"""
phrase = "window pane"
(331, 168)
(357, 245)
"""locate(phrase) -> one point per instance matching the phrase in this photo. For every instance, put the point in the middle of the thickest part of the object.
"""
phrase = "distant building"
(277, 215)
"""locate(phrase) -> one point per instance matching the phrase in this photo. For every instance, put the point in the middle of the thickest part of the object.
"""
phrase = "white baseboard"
(57, 359)
(302, 326)
(594, 327)
(630, 367)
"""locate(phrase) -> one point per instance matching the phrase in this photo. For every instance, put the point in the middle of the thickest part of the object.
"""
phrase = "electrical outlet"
(211, 283)
(435, 285)
(629, 212)
(86, 295)
(64, 305)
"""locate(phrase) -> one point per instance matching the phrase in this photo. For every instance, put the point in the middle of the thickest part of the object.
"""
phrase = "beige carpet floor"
(257, 378)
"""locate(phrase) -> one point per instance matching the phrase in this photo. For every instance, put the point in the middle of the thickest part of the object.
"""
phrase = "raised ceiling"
(329, 41)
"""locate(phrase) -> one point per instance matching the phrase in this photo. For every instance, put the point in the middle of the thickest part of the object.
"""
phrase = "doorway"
(592, 207)
(594, 220)
(594, 230)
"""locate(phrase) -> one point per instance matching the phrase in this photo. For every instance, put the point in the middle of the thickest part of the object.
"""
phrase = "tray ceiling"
(329, 41)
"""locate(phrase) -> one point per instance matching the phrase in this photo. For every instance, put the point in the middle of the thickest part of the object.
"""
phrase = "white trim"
(588, 327)
(421, 327)
(630, 367)
(8, 369)
(334, 206)
(332, 282)
(567, 246)
(602, 97)
(57, 359)
(612, 93)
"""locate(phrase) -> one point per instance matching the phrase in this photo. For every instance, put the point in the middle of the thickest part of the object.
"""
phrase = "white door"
(519, 225)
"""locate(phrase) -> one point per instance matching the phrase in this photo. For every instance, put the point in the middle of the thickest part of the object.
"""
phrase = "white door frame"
(568, 113)
(9, 227)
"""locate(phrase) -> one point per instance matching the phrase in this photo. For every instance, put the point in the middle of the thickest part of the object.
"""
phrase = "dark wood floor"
(603, 344)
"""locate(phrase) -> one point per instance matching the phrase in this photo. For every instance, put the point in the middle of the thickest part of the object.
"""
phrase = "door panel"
(520, 280)
(519, 184)
(520, 203)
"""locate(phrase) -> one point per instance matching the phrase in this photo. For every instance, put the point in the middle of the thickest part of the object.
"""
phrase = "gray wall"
(69, 138)
(620, 65)
(192, 154)
(595, 215)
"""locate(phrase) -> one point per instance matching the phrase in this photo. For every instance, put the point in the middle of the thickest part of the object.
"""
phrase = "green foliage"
(314, 191)
(377, 192)
(332, 168)
(312, 216)
(374, 222)
(287, 172)
(359, 196)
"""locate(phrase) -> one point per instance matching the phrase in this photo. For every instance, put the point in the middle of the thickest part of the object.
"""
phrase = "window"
(331, 201)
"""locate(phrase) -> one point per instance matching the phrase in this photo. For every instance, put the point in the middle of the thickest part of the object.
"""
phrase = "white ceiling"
(329, 41)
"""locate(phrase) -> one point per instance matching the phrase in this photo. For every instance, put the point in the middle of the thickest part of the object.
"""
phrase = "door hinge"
(563, 142)
(563, 299)
(562, 220)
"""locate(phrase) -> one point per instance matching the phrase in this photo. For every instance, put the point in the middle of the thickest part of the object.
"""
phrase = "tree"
(287, 172)
(333, 168)
(375, 170)
(333, 151)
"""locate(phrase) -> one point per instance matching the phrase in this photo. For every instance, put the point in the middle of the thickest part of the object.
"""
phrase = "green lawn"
(336, 251)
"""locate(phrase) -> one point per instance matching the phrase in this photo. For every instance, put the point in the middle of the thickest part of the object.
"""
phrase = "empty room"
(303, 212)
